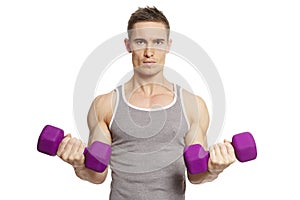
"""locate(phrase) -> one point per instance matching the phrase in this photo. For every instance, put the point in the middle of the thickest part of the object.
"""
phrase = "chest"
(153, 101)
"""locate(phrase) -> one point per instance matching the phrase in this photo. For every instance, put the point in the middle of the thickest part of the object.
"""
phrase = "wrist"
(214, 172)
(78, 167)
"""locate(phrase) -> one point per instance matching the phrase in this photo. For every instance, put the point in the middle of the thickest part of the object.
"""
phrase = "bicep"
(97, 122)
(196, 135)
(100, 132)
(199, 122)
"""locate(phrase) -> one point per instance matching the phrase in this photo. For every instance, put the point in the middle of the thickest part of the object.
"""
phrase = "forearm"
(202, 177)
(90, 175)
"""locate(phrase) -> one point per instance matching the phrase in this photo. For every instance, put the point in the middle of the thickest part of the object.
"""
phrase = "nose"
(148, 52)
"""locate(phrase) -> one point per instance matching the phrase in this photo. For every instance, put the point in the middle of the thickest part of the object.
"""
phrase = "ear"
(169, 46)
(127, 45)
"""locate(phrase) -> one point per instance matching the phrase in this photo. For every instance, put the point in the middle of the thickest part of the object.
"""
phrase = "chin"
(148, 71)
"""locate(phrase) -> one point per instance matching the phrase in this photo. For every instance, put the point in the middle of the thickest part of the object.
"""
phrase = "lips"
(149, 62)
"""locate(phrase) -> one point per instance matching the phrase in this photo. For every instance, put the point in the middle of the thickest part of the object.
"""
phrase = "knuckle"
(79, 156)
(72, 141)
(228, 145)
(76, 158)
(65, 141)
(222, 163)
(217, 162)
(65, 157)
(78, 143)
(213, 160)
(233, 160)
(58, 153)
(227, 162)
(71, 158)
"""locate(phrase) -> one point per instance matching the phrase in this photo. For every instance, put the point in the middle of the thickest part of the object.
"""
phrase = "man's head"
(147, 14)
(148, 39)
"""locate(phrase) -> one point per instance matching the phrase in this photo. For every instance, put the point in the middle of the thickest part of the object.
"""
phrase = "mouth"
(149, 62)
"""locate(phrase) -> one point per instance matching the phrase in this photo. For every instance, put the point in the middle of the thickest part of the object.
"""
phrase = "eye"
(159, 42)
(140, 42)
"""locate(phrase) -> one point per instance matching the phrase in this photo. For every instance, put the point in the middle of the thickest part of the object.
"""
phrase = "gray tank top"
(147, 149)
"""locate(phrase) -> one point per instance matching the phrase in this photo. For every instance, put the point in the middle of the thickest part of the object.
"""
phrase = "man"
(148, 121)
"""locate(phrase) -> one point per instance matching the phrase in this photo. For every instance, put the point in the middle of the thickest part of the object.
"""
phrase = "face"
(148, 42)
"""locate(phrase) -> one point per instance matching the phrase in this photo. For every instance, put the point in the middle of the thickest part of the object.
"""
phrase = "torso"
(147, 145)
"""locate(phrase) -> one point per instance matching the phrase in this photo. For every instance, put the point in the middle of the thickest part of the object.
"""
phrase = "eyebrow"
(141, 39)
(159, 40)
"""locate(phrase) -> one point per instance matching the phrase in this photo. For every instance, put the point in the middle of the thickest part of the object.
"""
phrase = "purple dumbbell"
(97, 156)
(196, 158)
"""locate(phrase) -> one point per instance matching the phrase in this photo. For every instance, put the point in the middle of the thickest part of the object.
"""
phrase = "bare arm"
(71, 149)
(198, 116)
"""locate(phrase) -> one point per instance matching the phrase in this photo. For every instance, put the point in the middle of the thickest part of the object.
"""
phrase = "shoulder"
(104, 100)
(196, 109)
(192, 101)
(102, 106)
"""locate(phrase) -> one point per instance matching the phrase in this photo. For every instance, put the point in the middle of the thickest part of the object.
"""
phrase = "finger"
(79, 157)
(78, 152)
(215, 161)
(82, 147)
(217, 152)
(227, 141)
(62, 145)
(68, 149)
(212, 153)
(228, 146)
(212, 158)
(230, 151)
(215, 156)
(75, 148)
(224, 153)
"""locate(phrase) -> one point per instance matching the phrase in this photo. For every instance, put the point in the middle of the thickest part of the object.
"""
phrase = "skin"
(149, 44)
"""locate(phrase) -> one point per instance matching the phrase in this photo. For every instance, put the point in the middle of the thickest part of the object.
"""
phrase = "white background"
(255, 46)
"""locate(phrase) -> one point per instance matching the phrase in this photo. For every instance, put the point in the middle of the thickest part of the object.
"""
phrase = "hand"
(221, 156)
(71, 150)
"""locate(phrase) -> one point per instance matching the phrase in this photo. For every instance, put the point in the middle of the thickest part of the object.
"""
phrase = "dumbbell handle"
(196, 158)
(97, 155)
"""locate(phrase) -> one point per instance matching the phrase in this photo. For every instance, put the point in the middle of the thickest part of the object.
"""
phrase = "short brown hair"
(150, 14)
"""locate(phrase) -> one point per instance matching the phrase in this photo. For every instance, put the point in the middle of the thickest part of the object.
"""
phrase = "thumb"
(68, 135)
(227, 141)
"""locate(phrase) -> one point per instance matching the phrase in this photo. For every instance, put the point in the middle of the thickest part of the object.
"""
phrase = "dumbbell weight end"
(97, 155)
(49, 140)
(244, 147)
(196, 158)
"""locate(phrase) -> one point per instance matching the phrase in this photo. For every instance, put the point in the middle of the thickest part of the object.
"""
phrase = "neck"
(148, 85)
